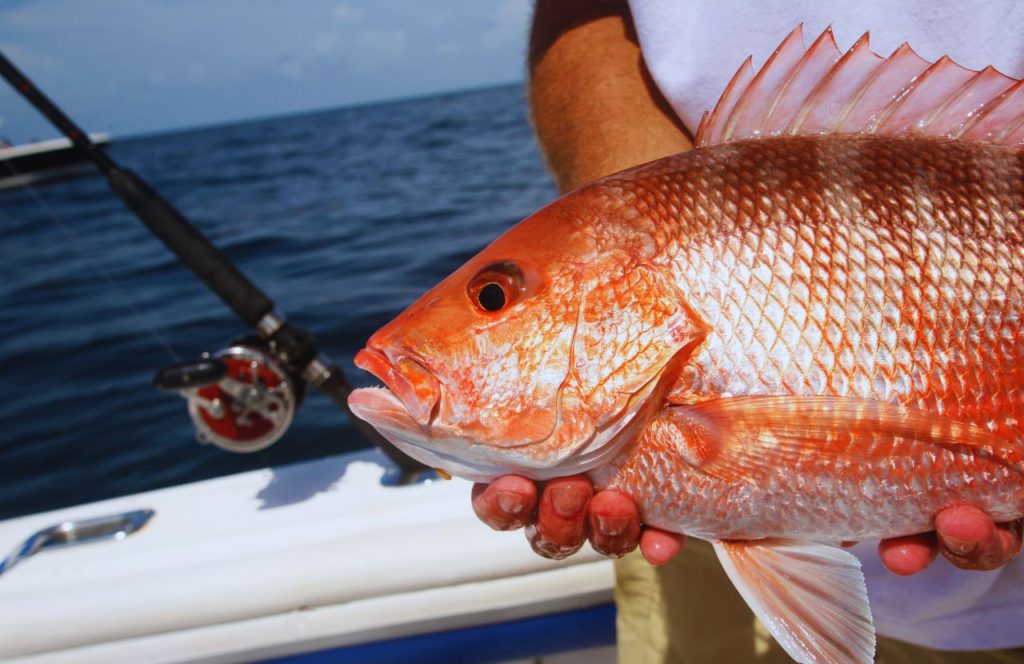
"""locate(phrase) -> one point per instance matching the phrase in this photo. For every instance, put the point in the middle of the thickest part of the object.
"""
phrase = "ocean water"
(343, 217)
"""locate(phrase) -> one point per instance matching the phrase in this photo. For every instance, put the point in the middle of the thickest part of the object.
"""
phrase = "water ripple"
(343, 217)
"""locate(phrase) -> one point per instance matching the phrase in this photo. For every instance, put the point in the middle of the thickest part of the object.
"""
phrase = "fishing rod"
(242, 398)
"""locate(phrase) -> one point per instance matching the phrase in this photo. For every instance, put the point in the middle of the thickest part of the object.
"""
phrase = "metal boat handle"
(80, 531)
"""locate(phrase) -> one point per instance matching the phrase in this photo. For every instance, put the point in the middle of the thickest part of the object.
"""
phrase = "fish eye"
(491, 297)
(496, 286)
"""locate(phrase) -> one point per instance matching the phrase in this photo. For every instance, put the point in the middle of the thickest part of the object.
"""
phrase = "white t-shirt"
(692, 50)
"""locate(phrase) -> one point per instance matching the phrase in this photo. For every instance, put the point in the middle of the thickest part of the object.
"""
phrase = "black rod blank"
(50, 111)
(164, 220)
(193, 249)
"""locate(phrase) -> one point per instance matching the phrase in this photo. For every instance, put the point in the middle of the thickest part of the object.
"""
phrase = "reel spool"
(241, 399)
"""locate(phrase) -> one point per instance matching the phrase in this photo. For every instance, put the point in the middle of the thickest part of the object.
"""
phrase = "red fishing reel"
(240, 399)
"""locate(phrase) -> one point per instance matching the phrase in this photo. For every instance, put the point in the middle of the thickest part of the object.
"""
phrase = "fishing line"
(292, 346)
(54, 218)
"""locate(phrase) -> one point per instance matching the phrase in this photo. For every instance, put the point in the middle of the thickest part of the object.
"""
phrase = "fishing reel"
(240, 399)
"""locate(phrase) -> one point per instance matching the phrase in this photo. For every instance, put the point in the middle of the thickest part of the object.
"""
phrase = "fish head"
(539, 356)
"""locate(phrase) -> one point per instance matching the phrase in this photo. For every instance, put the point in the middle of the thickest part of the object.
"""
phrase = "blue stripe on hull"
(518, 639)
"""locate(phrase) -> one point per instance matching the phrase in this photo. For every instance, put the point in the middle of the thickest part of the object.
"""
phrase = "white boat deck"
(274, 562)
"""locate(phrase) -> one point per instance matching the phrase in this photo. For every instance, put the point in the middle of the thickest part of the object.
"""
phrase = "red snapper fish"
(805, 330)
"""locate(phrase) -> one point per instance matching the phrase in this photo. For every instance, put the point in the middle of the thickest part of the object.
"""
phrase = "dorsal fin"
(820, 90)
(712, 126)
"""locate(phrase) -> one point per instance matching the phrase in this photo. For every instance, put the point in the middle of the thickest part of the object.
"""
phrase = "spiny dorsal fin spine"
(815, 91)
(701, 127)
(713, 128)
(839, 86)
(929, 91)
(885, 87)
(754, 105)
(961, 110)
(989, 123)
(818, 60)
(1014, 134)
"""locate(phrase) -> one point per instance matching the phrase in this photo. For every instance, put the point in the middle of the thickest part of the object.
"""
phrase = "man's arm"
(594, 106)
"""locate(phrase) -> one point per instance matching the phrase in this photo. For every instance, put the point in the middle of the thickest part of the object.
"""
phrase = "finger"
(970, 539)
(506, 503)
(660, 546)
(908, 555)
(1010, 535)
(561, 526)
(614, 523)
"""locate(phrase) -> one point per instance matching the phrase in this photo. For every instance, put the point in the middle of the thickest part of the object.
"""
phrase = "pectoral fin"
(811, 597)
(746, 438)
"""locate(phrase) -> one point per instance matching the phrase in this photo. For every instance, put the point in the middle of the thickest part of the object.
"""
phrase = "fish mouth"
(405, 413)
(410, 383)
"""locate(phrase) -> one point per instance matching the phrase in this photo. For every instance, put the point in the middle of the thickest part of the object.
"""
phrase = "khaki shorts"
(688, 611)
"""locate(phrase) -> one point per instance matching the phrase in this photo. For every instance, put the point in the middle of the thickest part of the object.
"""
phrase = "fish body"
(872, 268)
(804, 331)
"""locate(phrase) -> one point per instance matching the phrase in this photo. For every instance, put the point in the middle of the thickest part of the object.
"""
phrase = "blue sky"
(138, 66)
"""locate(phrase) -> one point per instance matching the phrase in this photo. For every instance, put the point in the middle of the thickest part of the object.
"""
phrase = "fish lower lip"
(409, 380)
(380, 407)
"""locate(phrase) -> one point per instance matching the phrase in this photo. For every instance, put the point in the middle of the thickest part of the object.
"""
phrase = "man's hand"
(965, 535)
(567, 514)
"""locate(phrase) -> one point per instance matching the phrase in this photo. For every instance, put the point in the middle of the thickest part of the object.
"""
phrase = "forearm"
(594, 107)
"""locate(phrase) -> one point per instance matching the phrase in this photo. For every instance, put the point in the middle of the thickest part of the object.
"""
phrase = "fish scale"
(866, 320)
(762, 291)
(821, 500)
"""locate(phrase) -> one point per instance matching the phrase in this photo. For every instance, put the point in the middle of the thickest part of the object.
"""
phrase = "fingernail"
(959, 547)
(510, 503)
(567, 501)
(612, 526)
(554, 551)
(547, 548)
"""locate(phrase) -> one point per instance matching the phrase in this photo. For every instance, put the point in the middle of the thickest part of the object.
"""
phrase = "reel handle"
(190, 375)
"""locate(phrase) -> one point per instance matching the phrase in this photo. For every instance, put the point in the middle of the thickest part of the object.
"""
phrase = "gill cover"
(634, 332)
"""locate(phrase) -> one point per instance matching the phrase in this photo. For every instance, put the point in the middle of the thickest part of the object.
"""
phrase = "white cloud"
(325, 43)
(508, 27)
(292, 68)
(383, 46)
(346, 12)
(326, 53)
(449, 48)
(23, 17)
(26, 59)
